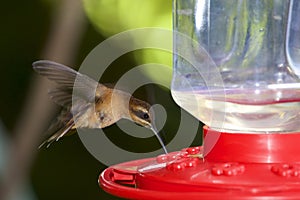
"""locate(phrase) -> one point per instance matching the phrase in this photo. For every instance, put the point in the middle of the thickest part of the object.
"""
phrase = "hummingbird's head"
(142, 115)
(140, 112)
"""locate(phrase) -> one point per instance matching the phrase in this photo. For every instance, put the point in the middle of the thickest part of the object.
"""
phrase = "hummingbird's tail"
(61, 127)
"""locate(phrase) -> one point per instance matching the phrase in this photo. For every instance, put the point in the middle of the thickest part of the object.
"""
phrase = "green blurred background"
(66, 170)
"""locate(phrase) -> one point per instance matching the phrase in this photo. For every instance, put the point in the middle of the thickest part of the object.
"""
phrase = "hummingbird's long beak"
(160, 138)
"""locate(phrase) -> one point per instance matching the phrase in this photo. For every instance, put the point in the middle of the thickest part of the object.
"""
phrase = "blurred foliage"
(26, 192)
(23, 34)
(114, 16)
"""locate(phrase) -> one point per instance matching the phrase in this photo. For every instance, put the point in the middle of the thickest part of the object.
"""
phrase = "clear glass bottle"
(237, 63)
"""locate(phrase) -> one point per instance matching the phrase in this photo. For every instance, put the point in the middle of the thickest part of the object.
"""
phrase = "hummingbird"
(89, 104)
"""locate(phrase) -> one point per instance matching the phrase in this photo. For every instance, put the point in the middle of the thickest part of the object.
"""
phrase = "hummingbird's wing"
(83, 92)
(70, 83)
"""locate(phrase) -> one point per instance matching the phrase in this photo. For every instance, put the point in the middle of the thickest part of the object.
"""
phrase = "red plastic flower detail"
(183, 163)
(286, 170)
(227, 169)
(186, 158)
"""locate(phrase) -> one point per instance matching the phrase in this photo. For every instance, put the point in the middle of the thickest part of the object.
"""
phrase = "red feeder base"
(228, 166)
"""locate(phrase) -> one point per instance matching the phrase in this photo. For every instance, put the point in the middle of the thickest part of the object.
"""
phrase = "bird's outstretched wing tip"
(39, 63)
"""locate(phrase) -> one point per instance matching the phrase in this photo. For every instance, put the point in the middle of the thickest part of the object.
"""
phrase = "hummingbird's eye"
(142, 115)
(146, 116)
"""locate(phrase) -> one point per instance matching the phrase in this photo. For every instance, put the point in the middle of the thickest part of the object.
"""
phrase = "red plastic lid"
(224, 173)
